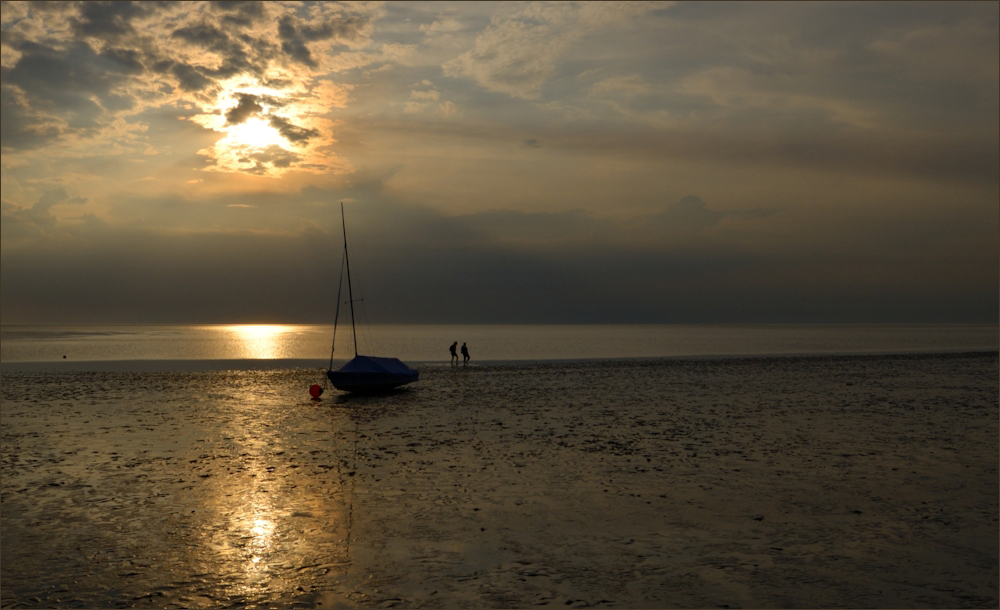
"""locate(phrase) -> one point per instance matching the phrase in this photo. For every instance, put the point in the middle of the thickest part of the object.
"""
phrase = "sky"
(561, 162)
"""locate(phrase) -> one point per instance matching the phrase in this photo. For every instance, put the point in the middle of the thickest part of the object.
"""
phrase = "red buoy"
(315, 390)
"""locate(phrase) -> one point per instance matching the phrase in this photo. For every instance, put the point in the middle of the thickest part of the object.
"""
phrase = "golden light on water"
(260, 545)
(260, 341)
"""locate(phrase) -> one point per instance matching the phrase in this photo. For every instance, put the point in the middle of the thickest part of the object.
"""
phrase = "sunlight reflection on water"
(429, 343)
(260, 341)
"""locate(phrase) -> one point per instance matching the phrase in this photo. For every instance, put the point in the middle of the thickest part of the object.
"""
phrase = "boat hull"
(368, 382)
(372, 374)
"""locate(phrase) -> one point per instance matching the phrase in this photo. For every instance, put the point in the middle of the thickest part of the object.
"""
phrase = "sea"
(255, 346)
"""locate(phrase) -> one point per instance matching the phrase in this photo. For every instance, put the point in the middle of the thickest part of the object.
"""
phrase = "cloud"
(109, 20)
(425, 95)
(689, 213)
(23, 127)
(511, 57)
(443, 24)
(328, 94)
(240, 13)
(962, 50)
(739, 89)
(292, 133)
(75, 88)
(516, 54)
(295, 34)
(430, 99)
(886, 153)
(626, 86)
(271, 157)
(52, 198)
(388, 55)
(244, 109)
(21, 223)
(189, 78)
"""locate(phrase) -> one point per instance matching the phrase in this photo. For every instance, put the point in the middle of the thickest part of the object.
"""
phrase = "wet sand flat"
(867, 481)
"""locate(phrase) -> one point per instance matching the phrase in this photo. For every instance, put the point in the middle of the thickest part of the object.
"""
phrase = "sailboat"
(363, 373)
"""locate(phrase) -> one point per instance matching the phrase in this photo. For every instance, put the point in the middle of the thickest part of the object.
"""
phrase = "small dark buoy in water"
(315, 390)
(64, 357)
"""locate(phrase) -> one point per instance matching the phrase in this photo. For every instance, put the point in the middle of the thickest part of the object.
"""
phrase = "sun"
(268, 131)
(255, 133)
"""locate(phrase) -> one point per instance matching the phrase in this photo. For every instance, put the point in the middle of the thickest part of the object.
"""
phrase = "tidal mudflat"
(866, 481)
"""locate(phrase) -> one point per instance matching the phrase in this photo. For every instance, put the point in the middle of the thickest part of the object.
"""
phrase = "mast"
(350, 294)
(336, 315)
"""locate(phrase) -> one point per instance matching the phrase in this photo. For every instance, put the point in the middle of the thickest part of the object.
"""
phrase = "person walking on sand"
(465, 355)
(454, 355)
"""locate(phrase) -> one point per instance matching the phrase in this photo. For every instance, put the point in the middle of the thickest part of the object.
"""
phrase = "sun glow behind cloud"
(269, 131)
(255, 134)
(120, 65)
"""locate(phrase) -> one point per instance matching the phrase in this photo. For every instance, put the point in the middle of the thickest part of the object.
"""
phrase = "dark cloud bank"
(416, 266)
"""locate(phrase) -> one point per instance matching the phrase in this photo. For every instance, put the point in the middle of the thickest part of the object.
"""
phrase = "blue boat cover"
(373, 364)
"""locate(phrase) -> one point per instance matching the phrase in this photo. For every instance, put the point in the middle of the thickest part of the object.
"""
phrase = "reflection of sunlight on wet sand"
(273, 521)
(261, 532)
(260, 341)
(246, 522)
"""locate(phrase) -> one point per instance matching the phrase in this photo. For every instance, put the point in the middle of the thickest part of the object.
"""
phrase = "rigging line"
(350, 293)
(367, 342)
(366, 331)
(364, 310)
(336, 316)
(368, 323)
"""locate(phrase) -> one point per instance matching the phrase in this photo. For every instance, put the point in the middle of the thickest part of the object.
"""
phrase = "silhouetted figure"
(465, 355)
(454, 354)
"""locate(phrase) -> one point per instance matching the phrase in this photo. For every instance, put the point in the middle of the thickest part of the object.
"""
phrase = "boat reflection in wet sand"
(363, 373)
